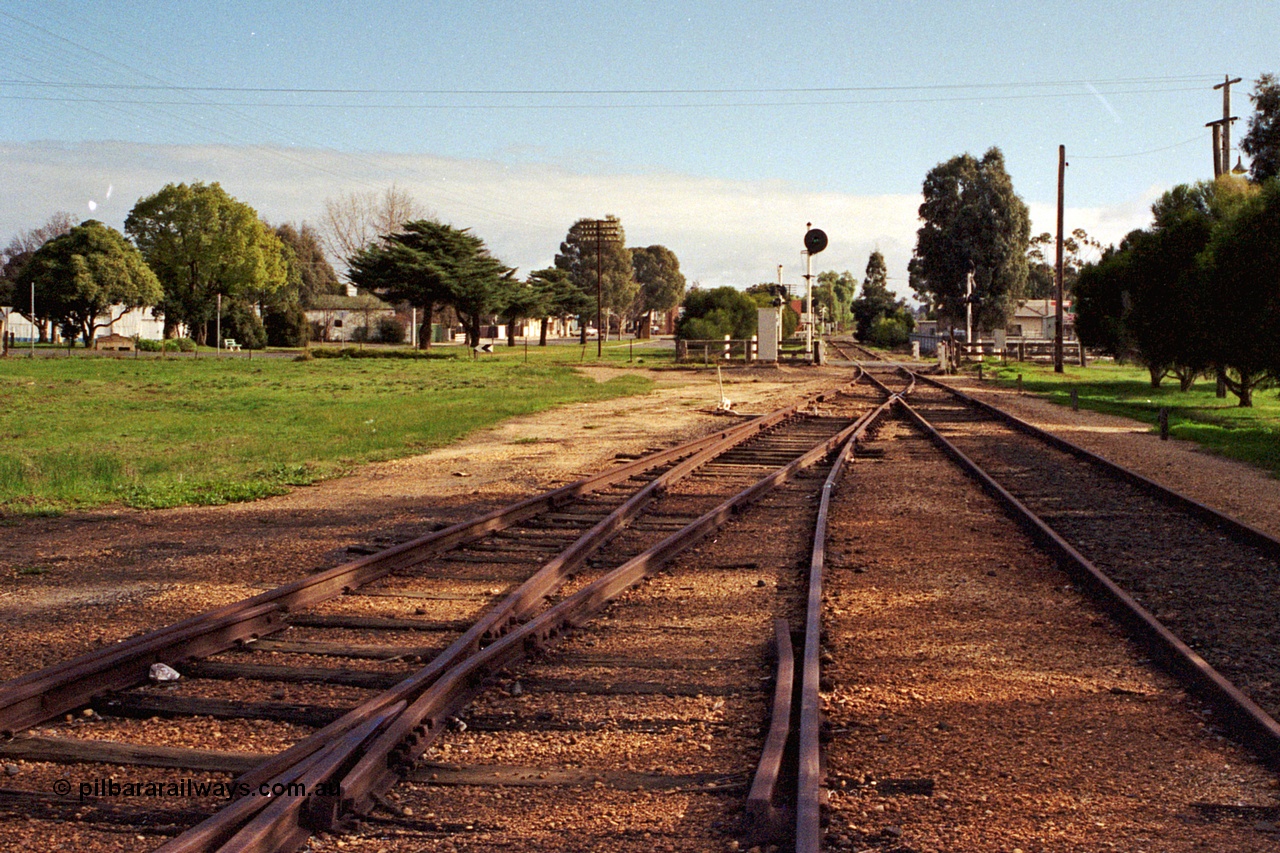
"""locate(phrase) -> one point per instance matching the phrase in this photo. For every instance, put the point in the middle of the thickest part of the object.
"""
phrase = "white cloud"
(724, 232)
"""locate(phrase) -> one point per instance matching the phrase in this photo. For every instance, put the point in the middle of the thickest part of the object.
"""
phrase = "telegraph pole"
(1057, 270)
(1222, 129)
(599, 291)
(601, 230)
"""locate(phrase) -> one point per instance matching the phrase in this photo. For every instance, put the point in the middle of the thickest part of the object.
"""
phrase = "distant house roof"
(334, 302)
(1038, 307)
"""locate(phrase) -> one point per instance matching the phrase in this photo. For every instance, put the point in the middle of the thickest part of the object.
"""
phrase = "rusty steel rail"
(1254, 726)
(376, 766)
(1251, 534)
(809, 746)
(35, 697)
(517, 605)
(764, 820)
(844, 350)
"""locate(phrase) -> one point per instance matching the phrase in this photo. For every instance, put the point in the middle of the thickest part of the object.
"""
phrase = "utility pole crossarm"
(1222, 128)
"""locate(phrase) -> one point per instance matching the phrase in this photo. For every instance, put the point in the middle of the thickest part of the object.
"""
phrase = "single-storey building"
(337, 318)
(1033, 320)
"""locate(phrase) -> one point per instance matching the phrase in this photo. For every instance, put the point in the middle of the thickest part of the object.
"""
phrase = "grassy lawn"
(650, 353)
(1250, 435)
(82, 432)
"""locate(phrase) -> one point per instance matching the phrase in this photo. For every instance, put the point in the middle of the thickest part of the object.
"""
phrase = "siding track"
(330, 662)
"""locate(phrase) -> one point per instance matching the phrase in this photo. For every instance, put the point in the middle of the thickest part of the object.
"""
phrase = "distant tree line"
(191, 247)
(1198, 291)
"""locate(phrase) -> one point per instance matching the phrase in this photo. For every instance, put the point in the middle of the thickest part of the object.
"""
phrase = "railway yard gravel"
(922, 693)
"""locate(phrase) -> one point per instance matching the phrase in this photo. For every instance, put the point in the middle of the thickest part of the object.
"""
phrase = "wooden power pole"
(1057, 271)
(1222, 129)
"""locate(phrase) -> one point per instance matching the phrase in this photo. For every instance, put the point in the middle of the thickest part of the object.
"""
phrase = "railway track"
(592, 667)
(332, 663)
(978, 699)
(1196, 586)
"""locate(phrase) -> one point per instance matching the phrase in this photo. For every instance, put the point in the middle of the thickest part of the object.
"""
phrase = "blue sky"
(717, 129)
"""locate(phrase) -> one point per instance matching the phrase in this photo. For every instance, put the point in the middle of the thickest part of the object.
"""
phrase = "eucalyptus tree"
(973, 220)
(662, 285)
(595, 255)
(1261, 140)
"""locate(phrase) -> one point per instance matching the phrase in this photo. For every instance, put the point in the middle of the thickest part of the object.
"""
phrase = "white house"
(130, 322)
(1033, 320)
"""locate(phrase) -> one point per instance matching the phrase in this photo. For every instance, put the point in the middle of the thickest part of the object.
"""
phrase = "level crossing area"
(882, 617)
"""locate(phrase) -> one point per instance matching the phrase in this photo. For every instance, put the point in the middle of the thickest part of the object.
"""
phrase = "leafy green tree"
(712, 314)
(1042, 260)
(429, 263)
(560, 298)
(284, 322)
(16, 255)
(662, 285)
(876, 301)
(202, 243)
(889, 332)
(1104, 299)
(1194, 291)
(311, 274)
(1241, 268)
(1168, 315)
(415, 265)
(80, 276)
(834, 292)
(582, 256)
(1262, 138)
(241, 322)
(1143, 300)
(972, 216)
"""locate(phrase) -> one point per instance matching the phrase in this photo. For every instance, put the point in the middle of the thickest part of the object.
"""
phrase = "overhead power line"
(777, 90)
(366, 105)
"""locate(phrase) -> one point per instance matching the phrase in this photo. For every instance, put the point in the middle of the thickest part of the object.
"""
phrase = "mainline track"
(1198, 587)
(686, 492)
(1194, 585)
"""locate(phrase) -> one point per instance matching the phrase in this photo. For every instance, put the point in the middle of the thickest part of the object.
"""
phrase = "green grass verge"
(1249, 435)
(85, 432)
(639, 353)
